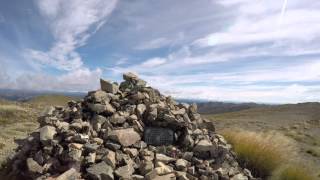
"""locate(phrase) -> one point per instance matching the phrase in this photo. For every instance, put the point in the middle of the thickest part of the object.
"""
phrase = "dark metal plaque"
(158, 136)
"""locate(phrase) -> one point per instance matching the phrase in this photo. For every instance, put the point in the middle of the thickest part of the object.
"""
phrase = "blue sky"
(226, 50)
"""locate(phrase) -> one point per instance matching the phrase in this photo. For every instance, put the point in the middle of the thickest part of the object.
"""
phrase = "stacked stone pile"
(126, 131)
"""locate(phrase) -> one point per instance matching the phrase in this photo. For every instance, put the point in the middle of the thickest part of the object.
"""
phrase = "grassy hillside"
(18, 119)
(53, 100)
(299, 122)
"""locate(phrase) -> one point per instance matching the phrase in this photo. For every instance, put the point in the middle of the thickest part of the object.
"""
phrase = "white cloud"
(154, 44)
(79, 80)
(72, 23)
(262, 21)
(280, 94)
(154, 62)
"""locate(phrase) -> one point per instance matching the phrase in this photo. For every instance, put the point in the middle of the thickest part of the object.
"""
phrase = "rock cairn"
(126, 131)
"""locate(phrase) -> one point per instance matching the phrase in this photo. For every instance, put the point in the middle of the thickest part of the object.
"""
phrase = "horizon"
(219, 50)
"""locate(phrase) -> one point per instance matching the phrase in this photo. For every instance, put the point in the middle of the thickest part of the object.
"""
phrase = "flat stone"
(204, 149)
(164, 158)
(101, 171)
(163, 169)
(130, 76)
(131, 151)
(97, 122)
(179, 112)
(100, 96)
(97, 108)
(110, 108)
(70, 174)
(91, 158)
(145, 167)
(141, 108)
(109, 86)
(75, 154)
(110, 158)
(97, 140)
(117, 119)
(75, 145)
(239, 177)
(33, 166)
(126, 137)
(181, 164)
(47, 133)
(91, 147)
(125, 172)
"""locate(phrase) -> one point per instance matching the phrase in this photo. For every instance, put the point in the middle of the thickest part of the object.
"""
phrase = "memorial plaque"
(158, 136)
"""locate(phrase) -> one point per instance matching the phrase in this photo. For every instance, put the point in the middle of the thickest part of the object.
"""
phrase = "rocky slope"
(129, 131)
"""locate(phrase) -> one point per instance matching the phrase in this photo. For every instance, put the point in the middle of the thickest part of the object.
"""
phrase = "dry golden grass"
(12, 113)
(292, 173)
(262, 153)
(52, 100)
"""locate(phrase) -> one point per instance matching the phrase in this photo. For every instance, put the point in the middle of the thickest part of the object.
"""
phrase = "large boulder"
(109, 87)
(126, 137)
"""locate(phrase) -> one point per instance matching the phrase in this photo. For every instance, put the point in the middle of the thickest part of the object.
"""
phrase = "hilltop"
(299, 122)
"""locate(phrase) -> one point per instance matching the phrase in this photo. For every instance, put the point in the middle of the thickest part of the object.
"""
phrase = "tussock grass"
(262, 153)
(11, 114)
(52, 100)
(292, 173)
(315, 151)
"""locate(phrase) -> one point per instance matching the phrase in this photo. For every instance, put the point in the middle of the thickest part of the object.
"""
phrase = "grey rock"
(239, 177)
(100, 171)
(91, 158)
(112, 146)
(100, 96)
(33, 166)
(164, 158)
(47, 133)
(91, 147)
(108, 86)
(130, 76)
(117, 119)
(204, 149)
(75, 154)
(145, 167)
(124, 172)
(126, 137)
(141, 108)
(97, 108)
(181, 164)
(110, 158)
(70, 174)
(109, 108)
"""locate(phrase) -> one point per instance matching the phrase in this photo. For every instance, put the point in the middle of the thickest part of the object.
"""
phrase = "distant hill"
(25, 95)
(222, 107)
(51, 99)
(300, 122)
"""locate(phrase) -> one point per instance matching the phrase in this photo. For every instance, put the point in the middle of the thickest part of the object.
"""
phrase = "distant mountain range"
(204, 107)
(25, 95)
(222, 107)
